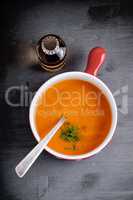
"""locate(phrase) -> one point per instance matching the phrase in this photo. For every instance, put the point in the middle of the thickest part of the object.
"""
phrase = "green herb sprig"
(70, 133)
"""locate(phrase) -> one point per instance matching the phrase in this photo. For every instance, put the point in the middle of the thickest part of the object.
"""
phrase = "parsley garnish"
(70, 133)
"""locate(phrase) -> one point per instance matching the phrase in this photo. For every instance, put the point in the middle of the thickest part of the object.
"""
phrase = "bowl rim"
(77, 76)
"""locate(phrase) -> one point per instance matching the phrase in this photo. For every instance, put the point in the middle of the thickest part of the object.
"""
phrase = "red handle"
(96, 58)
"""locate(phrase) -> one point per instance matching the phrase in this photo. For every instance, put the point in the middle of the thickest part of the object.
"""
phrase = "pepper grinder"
(51, 52)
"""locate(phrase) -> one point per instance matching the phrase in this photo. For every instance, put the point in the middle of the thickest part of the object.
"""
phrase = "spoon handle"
(31, 157)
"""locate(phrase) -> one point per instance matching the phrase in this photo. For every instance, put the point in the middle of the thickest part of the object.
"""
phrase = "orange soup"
(87, 111)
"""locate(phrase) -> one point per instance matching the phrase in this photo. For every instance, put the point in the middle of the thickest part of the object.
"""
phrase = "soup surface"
(87, 111)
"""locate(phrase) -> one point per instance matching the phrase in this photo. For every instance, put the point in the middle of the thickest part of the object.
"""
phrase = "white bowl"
(79, 76)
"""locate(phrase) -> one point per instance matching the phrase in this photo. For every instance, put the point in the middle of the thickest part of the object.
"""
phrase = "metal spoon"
(27, 162)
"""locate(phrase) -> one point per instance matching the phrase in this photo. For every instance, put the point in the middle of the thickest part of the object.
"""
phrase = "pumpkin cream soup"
(87, 111)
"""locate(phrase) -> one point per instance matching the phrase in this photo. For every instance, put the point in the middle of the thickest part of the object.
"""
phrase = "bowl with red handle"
(96, 58)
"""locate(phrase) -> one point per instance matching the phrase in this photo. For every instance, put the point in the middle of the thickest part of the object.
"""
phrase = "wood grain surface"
(83, 25)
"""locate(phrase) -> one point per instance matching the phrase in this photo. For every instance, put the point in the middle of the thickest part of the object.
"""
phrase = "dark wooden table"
(83, 25)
